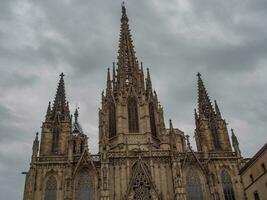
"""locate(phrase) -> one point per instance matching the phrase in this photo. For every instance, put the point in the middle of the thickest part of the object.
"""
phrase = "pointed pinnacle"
(148, 81)
(148, 75)
(234, 138)
(36, 136)
(48, 108)
(108, 79)
(171, 126)
(204, 105)
(123, 9)
(114, 72)
(60, 98)
(218, 113)
(76, 114)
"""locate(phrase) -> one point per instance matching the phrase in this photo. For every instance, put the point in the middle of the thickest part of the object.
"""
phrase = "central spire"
(127, 62)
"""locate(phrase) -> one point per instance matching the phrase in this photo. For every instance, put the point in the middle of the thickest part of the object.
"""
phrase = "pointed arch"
(112, 119)
(193, 185)
(141, 185)
(133, 115)
(83, 189)
(227, 185)
(55, 139)
(152, 119)
(51, 188)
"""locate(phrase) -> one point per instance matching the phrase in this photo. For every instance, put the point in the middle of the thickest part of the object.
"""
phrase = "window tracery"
(51, 188)
(227, 186)
(141, 184)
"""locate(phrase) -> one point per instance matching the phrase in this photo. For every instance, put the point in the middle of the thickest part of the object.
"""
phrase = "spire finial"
(62, 75)
(76, 114)
(148, 81)
(109, 87)
(36, 136)
(198, 75)
(123, 9)
(171, 126)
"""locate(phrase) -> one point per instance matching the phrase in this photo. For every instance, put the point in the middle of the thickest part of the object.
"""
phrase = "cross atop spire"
(123, 9)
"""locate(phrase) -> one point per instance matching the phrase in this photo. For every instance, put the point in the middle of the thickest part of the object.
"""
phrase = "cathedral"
(140, 158)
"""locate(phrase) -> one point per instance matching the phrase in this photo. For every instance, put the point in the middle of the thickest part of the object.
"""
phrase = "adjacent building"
(139, 157)
(254, 176)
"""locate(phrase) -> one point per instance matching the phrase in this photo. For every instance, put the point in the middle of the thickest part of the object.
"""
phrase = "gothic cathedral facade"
(139, 157)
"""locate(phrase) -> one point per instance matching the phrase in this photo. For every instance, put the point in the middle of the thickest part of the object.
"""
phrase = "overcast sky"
(226, 41)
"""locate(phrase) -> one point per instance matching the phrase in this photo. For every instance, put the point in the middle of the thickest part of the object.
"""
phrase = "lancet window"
(193, 186)
(112, 120)
(215, 136)
(227, 186)
(133, 115)
(55, 139)
(152, 119)
(51, 188)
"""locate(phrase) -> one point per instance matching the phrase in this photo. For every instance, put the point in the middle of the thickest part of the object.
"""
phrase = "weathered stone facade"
(139, 158)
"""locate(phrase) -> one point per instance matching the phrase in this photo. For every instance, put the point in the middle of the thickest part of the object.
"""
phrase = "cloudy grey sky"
(224, 40)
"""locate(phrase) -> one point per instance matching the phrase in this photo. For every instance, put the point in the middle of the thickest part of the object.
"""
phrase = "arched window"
(152, 119)
(83, 191)
(51, 189)
(112, 120)
(227, 186)
(193, 186)
(55, 139)
(133, 115)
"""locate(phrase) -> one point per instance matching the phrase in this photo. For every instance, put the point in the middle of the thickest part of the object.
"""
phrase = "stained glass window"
(227, 186)
(193, 186)
(51, 189)
(152, 119)
(133, 115)
(83, 191)
(112, 120)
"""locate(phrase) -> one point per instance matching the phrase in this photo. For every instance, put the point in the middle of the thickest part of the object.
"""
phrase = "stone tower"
(139, 157)
(211, 132)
